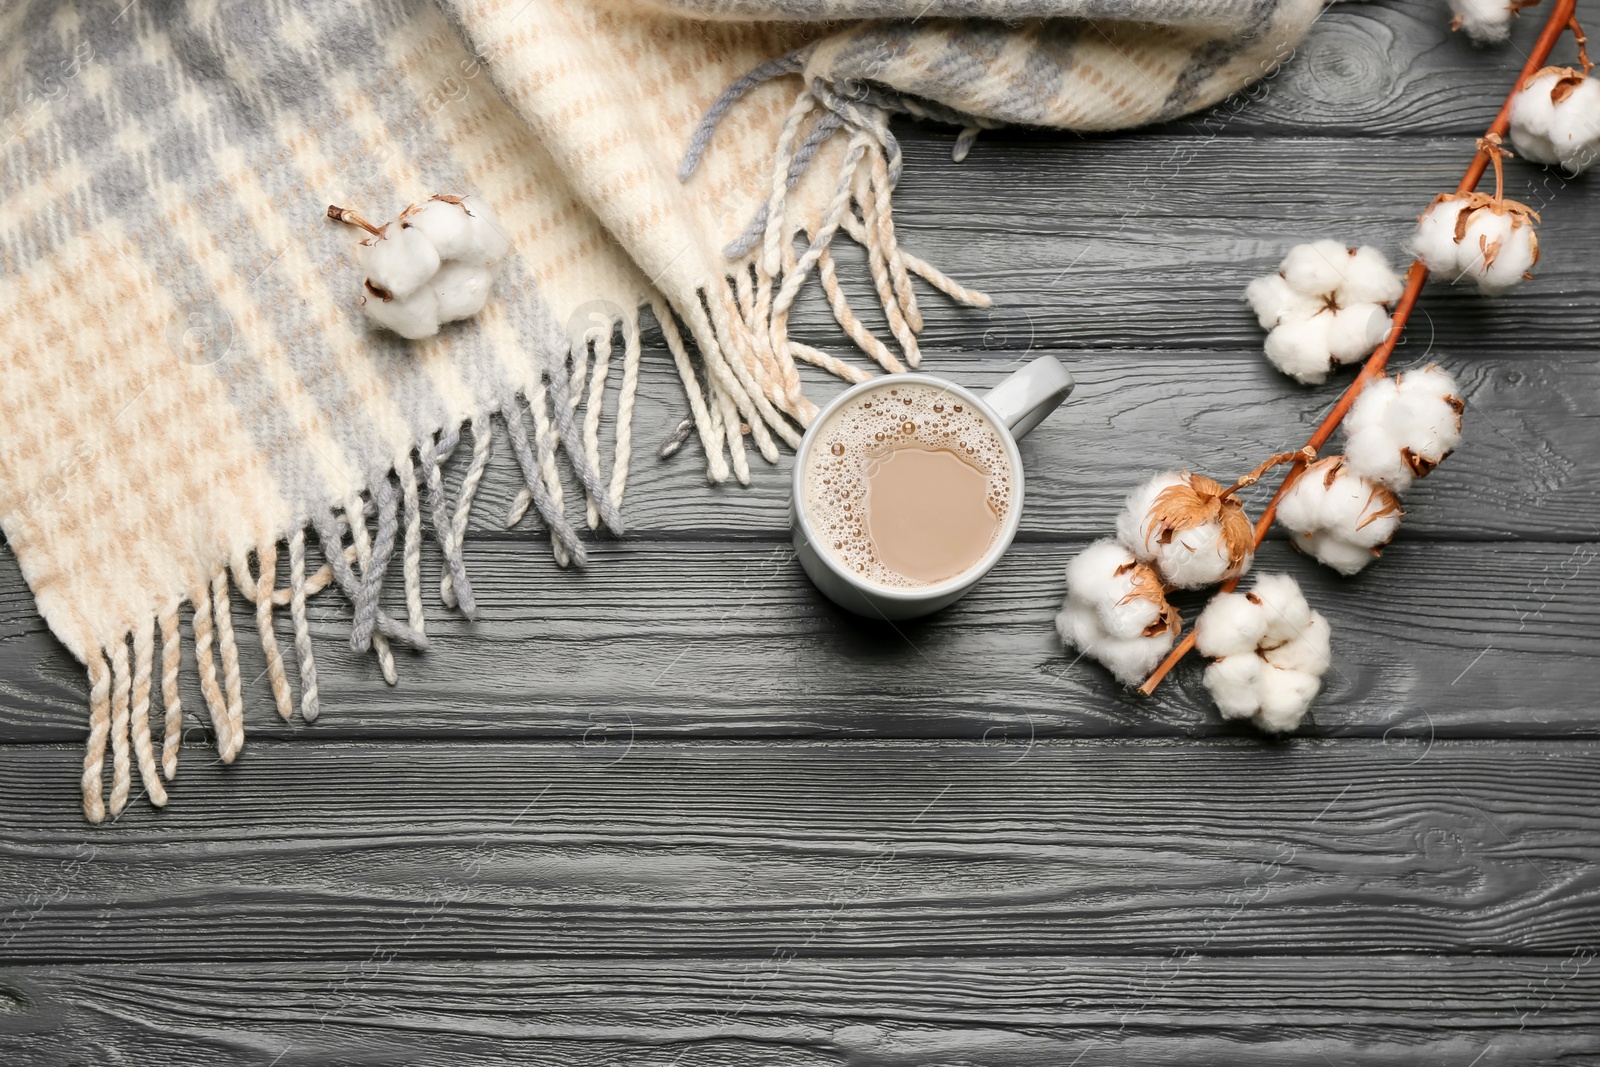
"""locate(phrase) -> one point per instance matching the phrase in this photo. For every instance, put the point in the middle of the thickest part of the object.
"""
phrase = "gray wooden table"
(677, 809)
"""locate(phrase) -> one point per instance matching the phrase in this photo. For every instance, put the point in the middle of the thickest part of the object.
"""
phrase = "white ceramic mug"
(1011, 408)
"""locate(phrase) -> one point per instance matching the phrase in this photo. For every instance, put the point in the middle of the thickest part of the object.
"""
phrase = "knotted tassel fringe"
(742, 330)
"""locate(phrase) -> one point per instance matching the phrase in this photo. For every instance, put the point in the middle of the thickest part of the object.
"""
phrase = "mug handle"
(1024, 399)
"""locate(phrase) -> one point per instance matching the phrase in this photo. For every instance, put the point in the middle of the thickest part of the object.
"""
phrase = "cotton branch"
(1561, 19)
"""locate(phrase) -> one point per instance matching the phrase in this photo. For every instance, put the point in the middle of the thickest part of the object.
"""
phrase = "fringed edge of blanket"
(740, 328)
(741, 325)
(360, 542)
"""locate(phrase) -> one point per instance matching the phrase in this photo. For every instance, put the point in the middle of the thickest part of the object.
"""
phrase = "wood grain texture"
(444, 849)
(1388, 69)
(1529, 467)
(1147, 242)
(892, 1012)
(730, 640)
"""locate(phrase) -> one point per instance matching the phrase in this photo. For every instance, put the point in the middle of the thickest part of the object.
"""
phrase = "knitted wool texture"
(189, 380)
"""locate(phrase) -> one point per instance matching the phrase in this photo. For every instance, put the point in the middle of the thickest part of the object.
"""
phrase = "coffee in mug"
(907, 490)
(908, 485)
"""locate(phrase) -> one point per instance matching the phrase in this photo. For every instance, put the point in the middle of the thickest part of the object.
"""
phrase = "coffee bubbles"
(907, 485)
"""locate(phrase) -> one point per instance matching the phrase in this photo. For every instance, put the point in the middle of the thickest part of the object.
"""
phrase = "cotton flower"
(434, 264)
(1193, 531)
(1339, 517)
(1116, 611)
(1486, 21)
(1486, 238)
(1401, 428)
(1269, 653)
(1326, 304)
(1555, 119)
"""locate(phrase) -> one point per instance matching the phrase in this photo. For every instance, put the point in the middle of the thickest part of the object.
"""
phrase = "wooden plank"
(442, 849)
(669, 639)
(1529, 466)
(793, 1010)
(1144, 241)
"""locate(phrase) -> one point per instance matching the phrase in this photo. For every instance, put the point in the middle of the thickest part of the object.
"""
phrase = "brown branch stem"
(1558, 23)
(348, 215)
(1307, 453)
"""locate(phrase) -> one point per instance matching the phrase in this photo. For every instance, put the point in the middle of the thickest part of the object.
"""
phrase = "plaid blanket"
(191, 386)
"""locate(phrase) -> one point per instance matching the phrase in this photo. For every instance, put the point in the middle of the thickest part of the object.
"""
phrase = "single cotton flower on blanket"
(1269, 653)
(1337, 516)
(1190, 528)
(1485, 238)
(434, 264)
(1555, 119)
(1116, 611)
(1401, 428)
(1486, 21)
(1326, 304)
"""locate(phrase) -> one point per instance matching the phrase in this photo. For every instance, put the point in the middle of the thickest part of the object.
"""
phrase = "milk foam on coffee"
(907, 485)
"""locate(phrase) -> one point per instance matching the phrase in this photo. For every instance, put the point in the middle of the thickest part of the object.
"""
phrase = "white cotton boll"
(463, 230)
(1130, 660)
(436, 263)
(1555, 119)
(1232, 683)
(1315, 268)
(1332, 551)
(1115, 612)
(1300, 348)
(400, 261)
(1498, 250)
(1079, 625)
(1273, 678)
(1432, 382)
(1401, 428)
(1374, 453)
(462, 290)
(1351, 507)
(1231, 624)
(1355, 331)
(446, 225)
(1325, 306)
(1337, 516)
(1195, 558)
(1128, 617)
(1575, 134)
(1275, 301)
(1106, 576)
(412, 317)
(1308, 650)
(1285, 697)
(1485, 21)
(1125, 595)
(1092, 577)
(1368, 279)
(1427, 413)
(1533, 118)
(1362, 512)
(1435, 240)
(1164, 523)
(1373, 403)
(1283, 606)
(1131, 520)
